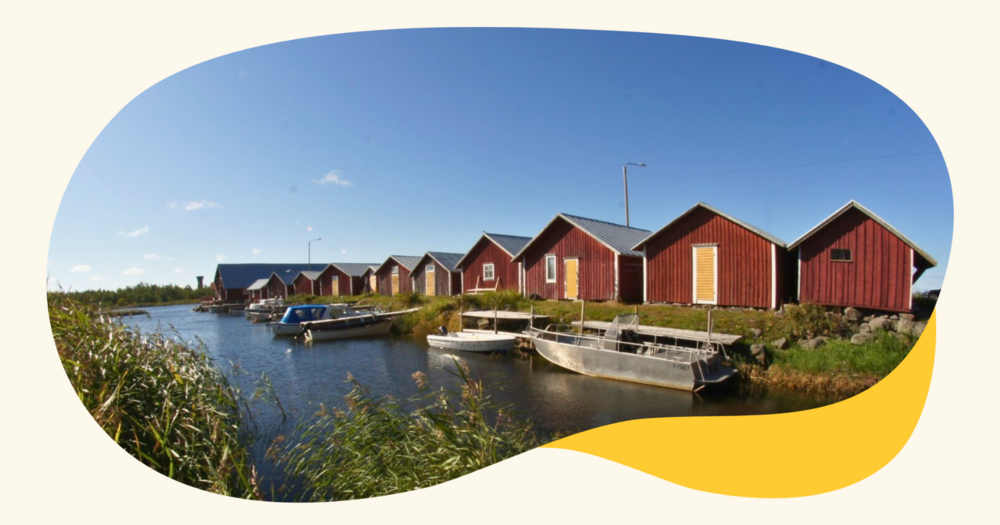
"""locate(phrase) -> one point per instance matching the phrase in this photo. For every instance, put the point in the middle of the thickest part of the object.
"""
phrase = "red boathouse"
(579, 258)
(394, 275)
(854, 258)
(436, 274)
(488, 265)
(707, 257)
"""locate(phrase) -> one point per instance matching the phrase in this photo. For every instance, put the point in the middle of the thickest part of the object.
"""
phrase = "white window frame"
(850, 255)
(492, 272)
(395, 270)
(429, 269)
(555, 270)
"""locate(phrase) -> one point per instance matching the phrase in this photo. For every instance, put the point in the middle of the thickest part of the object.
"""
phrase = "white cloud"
(256, 251)
(96, 278)
(333, 178)
(80, 268)
(151, 257)
(200, 205)
(178, 270)
(220, 258)
(141, 231)
(134, 271)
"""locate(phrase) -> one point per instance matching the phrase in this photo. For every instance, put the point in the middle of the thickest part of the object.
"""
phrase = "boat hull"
(631, 367)
(286, 328)
(379, 327)
(471, 343)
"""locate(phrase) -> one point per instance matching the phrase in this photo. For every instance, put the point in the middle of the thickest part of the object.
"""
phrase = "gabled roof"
(235, 276)
(857, 206)
(511, 244)
(618, 238)
(406, 261)
(448, 261)
(354, 269)
(311, 275)
(259, 284)
(702, 205)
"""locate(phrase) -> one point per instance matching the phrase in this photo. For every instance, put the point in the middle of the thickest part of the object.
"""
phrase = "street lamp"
(625, 176)
(309, 266)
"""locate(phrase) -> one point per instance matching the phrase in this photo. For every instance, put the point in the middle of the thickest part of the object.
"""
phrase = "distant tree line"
(141, 294)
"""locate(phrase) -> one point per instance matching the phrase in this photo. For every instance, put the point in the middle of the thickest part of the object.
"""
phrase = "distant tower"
(201, 281)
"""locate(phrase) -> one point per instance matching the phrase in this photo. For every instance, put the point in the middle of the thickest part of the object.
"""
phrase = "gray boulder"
(757, 351)
(911, 328)
(755, 332)
(780, 344)
(860, 339)
(866, 328)
(906, 317)
(880, 323)
(852, 314)
(812, 344)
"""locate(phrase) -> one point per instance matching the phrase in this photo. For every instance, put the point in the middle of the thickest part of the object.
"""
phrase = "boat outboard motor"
(442, 330)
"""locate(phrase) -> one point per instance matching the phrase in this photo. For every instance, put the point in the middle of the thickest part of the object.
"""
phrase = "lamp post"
(309, 265)
(625, 177)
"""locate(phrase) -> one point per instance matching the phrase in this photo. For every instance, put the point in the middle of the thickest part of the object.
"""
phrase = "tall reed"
(164, 403)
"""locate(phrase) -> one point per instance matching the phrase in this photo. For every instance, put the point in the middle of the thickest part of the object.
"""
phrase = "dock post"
(583, 314)
(531, 320)
(461, 320)
(496, 322)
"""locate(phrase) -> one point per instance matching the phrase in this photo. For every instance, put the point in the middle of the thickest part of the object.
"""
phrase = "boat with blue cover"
(292, 322)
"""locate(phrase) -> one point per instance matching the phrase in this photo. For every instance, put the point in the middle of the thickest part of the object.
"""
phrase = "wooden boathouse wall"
(744, 262)
(304, 285)
(596, 268)
(346, 284)
(276, 288)
(878, 277)
(506, 273)
(385, 279)
(441, 279)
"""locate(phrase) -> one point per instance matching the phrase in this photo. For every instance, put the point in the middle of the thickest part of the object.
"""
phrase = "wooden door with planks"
(336, 285)
(429, 280)
(395, 280)
(705, 274)
(571, 269)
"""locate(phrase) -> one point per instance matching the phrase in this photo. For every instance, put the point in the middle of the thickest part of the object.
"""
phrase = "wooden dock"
(675, 333)
(503, 315)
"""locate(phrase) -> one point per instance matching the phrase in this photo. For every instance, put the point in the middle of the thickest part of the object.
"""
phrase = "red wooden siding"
(596, 264)
(344, 282)
(877, 277)
(744, 262)
(275, 288)
(229, 295)
(304, 285)
(441, 279)
(385, 279)
(485, 251)
(630, 278)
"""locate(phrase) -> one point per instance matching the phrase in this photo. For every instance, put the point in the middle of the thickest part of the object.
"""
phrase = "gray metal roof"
(749, 227)
(311, 275)
(407, 261)
(354, 269)
(856, 205)
(235, 276)
(619, 238)
(259, 284)
(508, 243)
(448, 261)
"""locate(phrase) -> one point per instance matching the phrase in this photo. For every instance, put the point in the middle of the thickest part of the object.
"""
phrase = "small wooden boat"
(618, 353)
(291, 323)
(471, 342)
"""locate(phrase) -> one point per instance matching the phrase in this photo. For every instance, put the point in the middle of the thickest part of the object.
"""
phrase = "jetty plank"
(691, 335)
(489, 314)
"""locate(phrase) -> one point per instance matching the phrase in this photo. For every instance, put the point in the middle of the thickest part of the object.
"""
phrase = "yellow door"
(571, 266)
(395, 280)
(373, 283)
(336, 285)
(704, 279)
(429, 280)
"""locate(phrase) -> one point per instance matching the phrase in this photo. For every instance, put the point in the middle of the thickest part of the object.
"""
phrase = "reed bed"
(166, 404)
(381, 445)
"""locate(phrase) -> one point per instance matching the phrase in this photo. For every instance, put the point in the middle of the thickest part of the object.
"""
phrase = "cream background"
(69, 68)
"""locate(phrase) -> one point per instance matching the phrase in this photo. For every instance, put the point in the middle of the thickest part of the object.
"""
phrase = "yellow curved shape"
(780, 455)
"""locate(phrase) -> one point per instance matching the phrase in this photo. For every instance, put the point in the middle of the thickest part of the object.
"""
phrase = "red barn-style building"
(854, 258)
(339, 279)
(707, 257)
(232, 281)
(306, 282)
(436, 274)
(393, 275)
(488, 265)
(256, 291)
(369, 279)
(579, 258)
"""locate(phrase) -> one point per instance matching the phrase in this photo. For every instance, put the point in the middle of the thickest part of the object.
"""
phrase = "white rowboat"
(470, 342)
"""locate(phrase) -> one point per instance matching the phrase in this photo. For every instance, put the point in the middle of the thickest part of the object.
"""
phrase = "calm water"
(555, 400)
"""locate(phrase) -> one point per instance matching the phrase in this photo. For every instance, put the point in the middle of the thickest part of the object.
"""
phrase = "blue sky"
(407, 141)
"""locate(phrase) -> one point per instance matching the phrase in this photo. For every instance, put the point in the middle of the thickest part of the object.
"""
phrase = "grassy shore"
(172, 409)
(839, 368)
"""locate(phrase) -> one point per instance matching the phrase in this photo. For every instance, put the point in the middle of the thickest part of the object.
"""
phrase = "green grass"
(164, 403)
(381, 445)
(878, 357)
